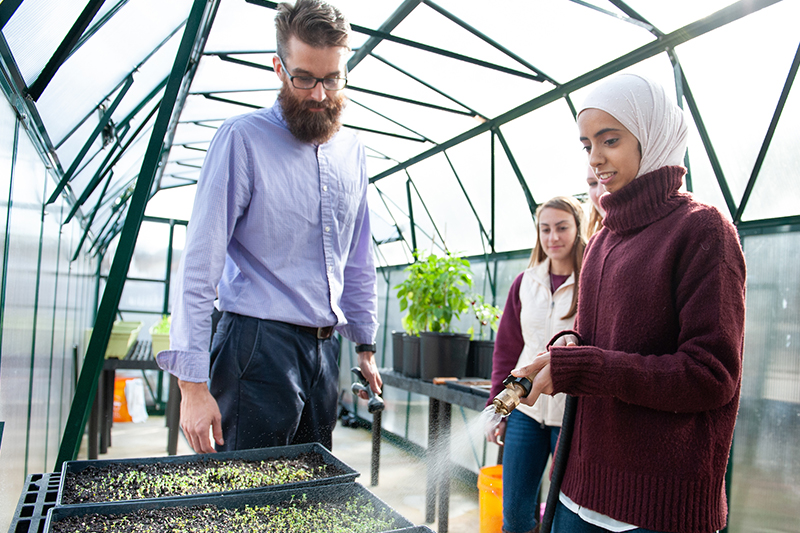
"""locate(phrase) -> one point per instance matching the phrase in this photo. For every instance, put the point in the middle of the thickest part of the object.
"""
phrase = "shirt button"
(330, 269)
(327, 229)
(324, 187)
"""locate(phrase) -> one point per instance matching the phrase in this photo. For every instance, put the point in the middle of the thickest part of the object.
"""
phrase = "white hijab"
(645, 110)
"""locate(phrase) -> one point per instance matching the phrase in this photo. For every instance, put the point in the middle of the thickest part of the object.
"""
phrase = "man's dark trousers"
(275, 383)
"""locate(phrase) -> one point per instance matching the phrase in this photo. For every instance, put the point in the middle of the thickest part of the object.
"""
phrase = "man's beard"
(311, 126)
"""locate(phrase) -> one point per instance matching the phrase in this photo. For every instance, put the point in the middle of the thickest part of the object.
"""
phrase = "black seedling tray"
(38, 496)
(229, 500)
(348, 474)
(479, 387)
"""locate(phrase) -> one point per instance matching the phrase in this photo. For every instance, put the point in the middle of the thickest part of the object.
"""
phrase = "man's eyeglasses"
(309, 82)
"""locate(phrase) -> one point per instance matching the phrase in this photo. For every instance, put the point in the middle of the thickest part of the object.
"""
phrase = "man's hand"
(366, 362)
(199, 412)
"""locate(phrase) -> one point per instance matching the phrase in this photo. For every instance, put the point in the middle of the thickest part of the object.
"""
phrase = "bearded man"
(280, 226)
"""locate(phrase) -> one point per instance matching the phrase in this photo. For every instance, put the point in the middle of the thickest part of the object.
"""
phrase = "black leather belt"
(320, 333)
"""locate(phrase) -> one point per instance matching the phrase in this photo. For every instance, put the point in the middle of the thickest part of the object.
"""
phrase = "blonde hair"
(573, 207)
(595, 222)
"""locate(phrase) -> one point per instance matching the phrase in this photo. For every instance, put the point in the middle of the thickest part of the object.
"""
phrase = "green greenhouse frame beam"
(773, 125)
(384, 36)
(194, 36)
(716, 166)
(121, 83)
(88, 144)
(473, 113)
(89, 33)
(412, 225)
(448, 54)
(679, 75)
(757, 227)
(88, 226)
(106, 167)
(690, 31)
(64, 49)
(636, 18)
(403, 99)
(95, 180)
(420, 137)
(7, 10)
(485, 38)
(532, 205)
(14, 86)
(629, 20)
(385, 133)
(390, 24)
(225, 56)
(466, 195)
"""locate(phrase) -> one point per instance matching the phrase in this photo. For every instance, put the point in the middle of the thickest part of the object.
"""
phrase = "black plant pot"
(443, 355)
(411, 346)
(479, 360)
(397, 351)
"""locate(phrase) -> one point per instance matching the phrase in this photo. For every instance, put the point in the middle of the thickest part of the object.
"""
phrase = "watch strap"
(366, 348)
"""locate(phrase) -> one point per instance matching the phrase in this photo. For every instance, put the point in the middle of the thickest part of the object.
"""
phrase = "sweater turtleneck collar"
(646, 199)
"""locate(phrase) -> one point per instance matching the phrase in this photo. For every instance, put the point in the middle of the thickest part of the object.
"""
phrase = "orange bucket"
(490, 484)
(121, 413)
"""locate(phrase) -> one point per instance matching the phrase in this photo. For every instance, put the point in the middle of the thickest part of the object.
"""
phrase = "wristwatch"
(366, 348)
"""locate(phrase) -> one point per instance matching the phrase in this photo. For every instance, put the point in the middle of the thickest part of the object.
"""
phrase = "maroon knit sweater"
(658, 373)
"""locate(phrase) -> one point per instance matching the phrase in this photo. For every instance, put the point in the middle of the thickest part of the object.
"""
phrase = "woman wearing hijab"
(655, 361)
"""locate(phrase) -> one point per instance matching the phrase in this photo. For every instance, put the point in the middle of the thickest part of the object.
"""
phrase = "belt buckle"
(324, 332)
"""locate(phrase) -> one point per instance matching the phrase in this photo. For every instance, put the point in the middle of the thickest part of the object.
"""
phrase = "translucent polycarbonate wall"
(766, 463)
(46, 302)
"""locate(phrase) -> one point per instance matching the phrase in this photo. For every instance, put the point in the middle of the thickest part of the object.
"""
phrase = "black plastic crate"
(348, 474)
(37, 497)
(321, 493)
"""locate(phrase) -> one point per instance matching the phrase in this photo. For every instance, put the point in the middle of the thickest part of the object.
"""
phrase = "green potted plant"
(159, 332)
(479, 360)
(434, 294)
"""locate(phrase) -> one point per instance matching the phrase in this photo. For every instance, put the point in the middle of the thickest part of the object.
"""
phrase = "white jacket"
(541, 318)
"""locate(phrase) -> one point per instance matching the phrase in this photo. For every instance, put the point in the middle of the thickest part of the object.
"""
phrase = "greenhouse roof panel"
(437, 89)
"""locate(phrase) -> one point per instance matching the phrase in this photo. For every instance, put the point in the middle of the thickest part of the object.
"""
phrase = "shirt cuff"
(359, 333)
(186, 366)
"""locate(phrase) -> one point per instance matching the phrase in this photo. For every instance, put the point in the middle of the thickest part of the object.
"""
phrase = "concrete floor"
(401, 483)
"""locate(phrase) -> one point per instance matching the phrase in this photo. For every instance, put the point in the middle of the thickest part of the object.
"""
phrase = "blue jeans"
(565, 521)
(274, 383)
(527, 447)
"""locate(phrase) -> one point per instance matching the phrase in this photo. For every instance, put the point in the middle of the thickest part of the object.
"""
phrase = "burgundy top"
(556, 281)
(658, 373)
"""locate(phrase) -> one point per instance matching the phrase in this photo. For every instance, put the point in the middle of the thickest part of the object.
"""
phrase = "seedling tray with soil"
(264, 469)
(329, 508)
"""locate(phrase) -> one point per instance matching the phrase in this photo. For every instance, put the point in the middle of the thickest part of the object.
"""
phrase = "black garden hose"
(559, 463)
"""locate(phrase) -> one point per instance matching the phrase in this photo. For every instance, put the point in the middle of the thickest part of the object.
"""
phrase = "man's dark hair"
(314, 22)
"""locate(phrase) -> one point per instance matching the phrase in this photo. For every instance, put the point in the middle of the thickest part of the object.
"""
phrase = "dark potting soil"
(127, 481)
(355, 515)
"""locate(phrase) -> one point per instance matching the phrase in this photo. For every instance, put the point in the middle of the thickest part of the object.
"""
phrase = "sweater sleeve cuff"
(577, 370)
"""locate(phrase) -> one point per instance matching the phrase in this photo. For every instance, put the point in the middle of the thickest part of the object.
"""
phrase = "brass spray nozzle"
(509, 398)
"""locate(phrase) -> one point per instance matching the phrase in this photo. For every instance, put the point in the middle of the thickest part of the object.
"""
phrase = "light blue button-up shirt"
(282, 227)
